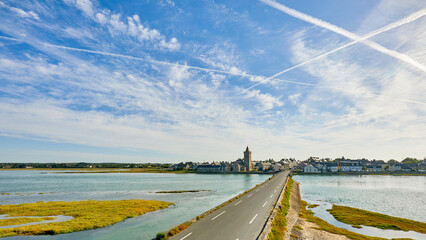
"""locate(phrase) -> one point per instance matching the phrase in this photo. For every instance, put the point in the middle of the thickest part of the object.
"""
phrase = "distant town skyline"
(176, 81)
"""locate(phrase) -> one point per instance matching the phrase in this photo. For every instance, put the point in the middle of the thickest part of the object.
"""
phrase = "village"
(311, 165)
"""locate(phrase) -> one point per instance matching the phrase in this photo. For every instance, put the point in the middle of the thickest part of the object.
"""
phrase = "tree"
(410, 160)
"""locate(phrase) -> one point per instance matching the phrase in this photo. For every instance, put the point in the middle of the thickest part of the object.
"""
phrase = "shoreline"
(123, 170)
(303, 224)
(364, 173)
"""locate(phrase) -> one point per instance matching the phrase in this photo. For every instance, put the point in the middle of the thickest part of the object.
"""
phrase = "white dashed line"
(271, 195)
(265, 204)
(249, 195)
(186, 236)
(218, 215)
(253, 218)
(237, 203)
(257, 190)
(275, 191)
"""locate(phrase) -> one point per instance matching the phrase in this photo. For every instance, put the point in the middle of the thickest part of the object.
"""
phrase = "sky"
(171, 81)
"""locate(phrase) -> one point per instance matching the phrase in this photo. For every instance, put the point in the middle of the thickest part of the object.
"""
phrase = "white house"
(311, 169)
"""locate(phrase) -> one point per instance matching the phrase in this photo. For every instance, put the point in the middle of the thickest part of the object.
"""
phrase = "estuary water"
(33, 186)
(399, 196)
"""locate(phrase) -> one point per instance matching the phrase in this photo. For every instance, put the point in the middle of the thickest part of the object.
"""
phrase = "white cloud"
(20, 12)
(267, 101)
(166, 2)
(85, 6)
(130, 26)
(294, 98)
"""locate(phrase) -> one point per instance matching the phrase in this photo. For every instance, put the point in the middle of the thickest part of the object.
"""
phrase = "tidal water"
(399, 196)
(34, 186)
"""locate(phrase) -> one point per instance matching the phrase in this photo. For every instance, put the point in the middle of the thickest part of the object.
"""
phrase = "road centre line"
(218, 215)
(271, 195)
(275, 190)
(186, 236)
(265, 204)
(253, 218)
(250, 195)
(237, 203)
(257, 190)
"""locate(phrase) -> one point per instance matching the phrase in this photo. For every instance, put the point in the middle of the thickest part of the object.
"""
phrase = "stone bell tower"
(247, 160)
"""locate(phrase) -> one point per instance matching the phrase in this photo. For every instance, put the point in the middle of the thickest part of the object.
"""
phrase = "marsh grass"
(312, 205)
(280, 222)
(323, 225)
(23, 220)
(87, 215)
(357, 217)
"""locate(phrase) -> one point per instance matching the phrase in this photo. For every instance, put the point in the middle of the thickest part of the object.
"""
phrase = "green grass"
(298, 227)
(87, 215)
(357, 217)
(280, 222)
(23, 220)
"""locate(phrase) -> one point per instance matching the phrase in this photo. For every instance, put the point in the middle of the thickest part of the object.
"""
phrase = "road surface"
(242, 219)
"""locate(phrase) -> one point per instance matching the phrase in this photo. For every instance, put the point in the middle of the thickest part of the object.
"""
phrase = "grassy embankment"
(185, 225)
(357, 217)
(23, 220)
(280, 222)
(87, 215)
(323, 225)
(183, 191)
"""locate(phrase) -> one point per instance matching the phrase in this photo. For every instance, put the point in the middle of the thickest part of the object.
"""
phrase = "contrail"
(188, 66)
(157, 61)
(403, 21)
(343, 32)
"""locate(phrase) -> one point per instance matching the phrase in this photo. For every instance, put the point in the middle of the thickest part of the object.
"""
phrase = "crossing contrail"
(350, 35)
(403, 21)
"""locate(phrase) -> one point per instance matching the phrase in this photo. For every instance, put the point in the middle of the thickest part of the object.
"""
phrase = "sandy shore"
(298, 227)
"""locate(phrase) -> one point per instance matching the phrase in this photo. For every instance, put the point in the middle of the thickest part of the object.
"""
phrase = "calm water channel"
(117, 186)
(399, 196)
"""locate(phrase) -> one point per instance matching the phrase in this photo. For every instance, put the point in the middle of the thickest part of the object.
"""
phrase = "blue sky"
(170, 81)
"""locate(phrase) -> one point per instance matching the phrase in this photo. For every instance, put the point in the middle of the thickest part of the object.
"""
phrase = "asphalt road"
(242, 219)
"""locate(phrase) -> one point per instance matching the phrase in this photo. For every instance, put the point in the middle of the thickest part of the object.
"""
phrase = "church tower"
(247, 160)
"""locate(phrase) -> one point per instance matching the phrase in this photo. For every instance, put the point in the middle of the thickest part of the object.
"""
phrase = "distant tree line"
(84, 165)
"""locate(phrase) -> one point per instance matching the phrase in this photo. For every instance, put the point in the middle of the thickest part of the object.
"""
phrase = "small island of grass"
(90, 214)
(357, 217)
(183, 191)
(312, 205)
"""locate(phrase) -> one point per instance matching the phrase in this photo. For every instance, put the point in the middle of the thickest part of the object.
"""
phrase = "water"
(399, 196)
(118, 186)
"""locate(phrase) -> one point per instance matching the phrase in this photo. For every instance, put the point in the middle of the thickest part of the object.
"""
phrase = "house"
(311, 169)
(395, 167)
(263, 166)
(350, 166)
(209, 168)
(331, 166)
